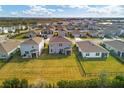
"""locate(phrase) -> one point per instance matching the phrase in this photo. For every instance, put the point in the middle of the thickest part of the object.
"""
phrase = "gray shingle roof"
(61, 39)
(87, 46)
(119, 45)
(35, 40)
(8, 45)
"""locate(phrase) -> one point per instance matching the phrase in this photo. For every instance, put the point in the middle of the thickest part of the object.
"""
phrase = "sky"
(61, 11)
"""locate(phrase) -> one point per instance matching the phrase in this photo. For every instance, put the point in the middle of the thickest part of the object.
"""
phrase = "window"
(26, 52)
(60, 44)
(87, 54)
(97, 54)
(51, 50)
(3, 55)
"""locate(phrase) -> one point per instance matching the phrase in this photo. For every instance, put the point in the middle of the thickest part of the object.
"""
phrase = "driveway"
(77, 39)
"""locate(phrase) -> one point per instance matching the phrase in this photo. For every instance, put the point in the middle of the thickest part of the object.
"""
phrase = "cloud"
(1, 8)
(14, 13)
(78, 6)
(99, 10)
(38, 11)
(60, 10)
(106, 10)
(52, 10)
(75, 6)
(67, 10)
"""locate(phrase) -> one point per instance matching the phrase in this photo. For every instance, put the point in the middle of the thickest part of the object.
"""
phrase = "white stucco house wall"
(7, 48)
(60, 45)
(8, 29)
(32, 48)
(88, 49)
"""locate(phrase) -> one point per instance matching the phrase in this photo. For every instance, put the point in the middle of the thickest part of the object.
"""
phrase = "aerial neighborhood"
(59, 35)
(63, 48)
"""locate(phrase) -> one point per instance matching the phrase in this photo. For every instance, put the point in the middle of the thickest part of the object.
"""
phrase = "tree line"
(117, 82)
(101, 82)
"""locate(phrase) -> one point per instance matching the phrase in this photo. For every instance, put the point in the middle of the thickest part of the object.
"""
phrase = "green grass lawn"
(53, 68)
(48, 67)
(110, 65)
(21, 36)
(2, 63)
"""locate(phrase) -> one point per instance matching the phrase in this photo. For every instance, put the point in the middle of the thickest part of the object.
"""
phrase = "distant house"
(101, 34)
(76, 34)
(32, 34)
(60, 30)
(8, 29)
(3, 37)
(116, 47)
(88, 49)
(32, 47)
(7, 48)
(47, 33)
(60, 33)
(60, 45)
(93, 33)
(79, 33)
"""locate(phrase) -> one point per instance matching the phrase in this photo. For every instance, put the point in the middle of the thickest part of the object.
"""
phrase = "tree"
(103, 79)
(62, 84)
(118, 82)
(6, 84)
(120, 77)
(24, 83)
(15, 83)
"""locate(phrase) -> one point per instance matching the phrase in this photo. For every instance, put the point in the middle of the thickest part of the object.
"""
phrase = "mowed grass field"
(49, 68)
(109, 65)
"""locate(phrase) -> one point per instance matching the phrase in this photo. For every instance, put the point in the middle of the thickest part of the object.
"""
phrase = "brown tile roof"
(35, 40)
(8, 45)
(55, 39)
(87, 46)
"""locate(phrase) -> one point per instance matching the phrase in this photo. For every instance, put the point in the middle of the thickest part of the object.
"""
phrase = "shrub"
(15, 83)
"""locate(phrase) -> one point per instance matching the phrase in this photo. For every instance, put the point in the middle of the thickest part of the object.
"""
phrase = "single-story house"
(60, 45)
(32, 48)
(116, 47)
(7, 48)
(89, 49)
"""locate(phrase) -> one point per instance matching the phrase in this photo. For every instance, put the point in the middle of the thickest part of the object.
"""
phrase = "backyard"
(52, 68)
(49, 68)
(109, 65)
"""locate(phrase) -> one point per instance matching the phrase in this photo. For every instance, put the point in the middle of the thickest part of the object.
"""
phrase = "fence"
(107, 73)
